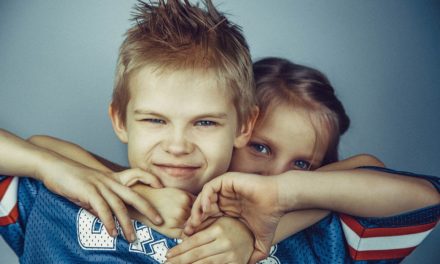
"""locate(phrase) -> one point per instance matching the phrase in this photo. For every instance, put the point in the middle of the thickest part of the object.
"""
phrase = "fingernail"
(158, 220)
(133, 238)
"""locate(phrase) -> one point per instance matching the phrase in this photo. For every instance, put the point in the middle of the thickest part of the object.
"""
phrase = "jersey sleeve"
(394, 237)
(16, 200)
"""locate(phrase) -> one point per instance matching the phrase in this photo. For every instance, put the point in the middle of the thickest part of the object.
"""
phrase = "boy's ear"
(118, 125)
(246, 129)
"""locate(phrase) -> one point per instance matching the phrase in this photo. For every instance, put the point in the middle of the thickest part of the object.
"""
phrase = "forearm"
(19, 157)
(73, 152)
(353, 162)
(294, 222)
(354, 192)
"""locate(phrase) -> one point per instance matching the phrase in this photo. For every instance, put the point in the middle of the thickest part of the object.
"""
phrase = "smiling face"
(180, 126)
(283, 139)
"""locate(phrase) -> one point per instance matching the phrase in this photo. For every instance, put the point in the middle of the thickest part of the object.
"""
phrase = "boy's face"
(283, 140)
(181, 126)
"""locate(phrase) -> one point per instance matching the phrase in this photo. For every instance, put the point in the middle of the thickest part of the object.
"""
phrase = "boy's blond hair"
(176, 35)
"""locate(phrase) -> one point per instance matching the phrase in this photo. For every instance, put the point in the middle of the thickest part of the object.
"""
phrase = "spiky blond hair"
(177, 35)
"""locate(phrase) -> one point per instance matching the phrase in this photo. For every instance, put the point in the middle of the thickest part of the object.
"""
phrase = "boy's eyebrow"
(219, 115)
(145, 112)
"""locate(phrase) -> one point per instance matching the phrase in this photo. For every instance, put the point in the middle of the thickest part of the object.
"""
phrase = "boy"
(183, 99)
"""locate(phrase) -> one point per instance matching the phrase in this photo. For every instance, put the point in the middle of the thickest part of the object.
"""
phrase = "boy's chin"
(187, 186)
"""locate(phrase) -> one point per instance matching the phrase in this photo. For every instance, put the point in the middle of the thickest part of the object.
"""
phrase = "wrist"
(292, 190)
(43, 159)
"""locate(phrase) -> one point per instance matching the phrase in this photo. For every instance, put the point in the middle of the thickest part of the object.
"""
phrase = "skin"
(101, 193)
(293, 152)
(183, 145)
(283, 139)
(350, 192)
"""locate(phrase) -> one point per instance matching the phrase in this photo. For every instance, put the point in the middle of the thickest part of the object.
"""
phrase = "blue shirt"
(42, 227)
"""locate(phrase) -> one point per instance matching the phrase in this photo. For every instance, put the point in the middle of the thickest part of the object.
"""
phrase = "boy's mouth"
(177, 170)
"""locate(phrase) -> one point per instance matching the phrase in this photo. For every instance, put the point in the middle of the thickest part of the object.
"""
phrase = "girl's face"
(283, 139)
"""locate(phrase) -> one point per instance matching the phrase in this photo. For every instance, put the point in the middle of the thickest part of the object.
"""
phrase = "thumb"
(257, 256)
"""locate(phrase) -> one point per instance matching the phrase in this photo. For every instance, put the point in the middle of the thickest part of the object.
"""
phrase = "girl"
(299, 127)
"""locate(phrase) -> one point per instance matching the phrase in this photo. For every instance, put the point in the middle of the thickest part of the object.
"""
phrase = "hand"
(98, 192)
(174, 206)
(226, 240)
(252, 198)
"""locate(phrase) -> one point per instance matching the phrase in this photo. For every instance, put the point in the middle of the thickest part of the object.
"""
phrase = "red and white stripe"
(382, 243)
(8, 201)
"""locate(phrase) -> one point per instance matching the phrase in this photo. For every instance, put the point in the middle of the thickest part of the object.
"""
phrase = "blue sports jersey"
(42, 227)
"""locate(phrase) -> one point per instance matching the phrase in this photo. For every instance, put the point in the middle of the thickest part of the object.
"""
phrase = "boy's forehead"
(191, 89)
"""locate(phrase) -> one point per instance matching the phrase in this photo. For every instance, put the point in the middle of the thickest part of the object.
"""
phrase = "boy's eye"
(302, 164)
(154, 121)
(260, 148)
(206, 123)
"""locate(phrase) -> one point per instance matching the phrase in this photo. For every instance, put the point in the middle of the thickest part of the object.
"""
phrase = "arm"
(353, 191)
(353, 163)
(99, 193)
(75, 152)
(293, 222)
(173, 205)
(295, 190)
(233, 241)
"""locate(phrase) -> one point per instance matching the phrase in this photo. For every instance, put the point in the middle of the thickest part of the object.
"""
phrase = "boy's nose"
(177, 144)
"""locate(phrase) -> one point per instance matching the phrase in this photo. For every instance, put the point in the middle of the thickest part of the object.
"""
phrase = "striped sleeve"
(395, 237)
(377, 243)
(17, 196)
(8, 200)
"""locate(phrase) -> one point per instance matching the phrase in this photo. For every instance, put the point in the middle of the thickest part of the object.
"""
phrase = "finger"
(102, 211)
(190, 243)
(194, 259)
(257, 256)
(203, 204)
(138, 202)
(194, 248)
(188, 229)
(196, 213)
(120, 211)
(139, 175)
(132, 176)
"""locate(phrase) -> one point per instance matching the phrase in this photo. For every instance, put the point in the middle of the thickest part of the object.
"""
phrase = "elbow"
(370, 160)
(37, 139)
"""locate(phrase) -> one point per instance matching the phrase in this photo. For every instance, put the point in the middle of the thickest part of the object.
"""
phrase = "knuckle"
(119, 205)
(217, 230)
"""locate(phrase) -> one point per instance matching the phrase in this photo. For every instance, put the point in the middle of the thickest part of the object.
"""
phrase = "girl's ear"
(246, 129)
(118, 125)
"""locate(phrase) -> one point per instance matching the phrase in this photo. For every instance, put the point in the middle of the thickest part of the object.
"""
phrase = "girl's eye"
(260, 148)
(206, 123)
(302, 164)
(154, 121)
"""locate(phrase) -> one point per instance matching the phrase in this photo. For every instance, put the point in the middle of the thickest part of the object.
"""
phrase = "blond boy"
(183, 99)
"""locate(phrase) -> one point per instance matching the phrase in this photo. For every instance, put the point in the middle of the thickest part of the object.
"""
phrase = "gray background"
(57, 60)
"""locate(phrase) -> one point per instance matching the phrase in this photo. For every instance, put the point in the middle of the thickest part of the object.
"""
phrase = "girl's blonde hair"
(279, 81)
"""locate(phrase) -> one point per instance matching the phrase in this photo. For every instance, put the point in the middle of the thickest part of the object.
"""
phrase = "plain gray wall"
(57, 60)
